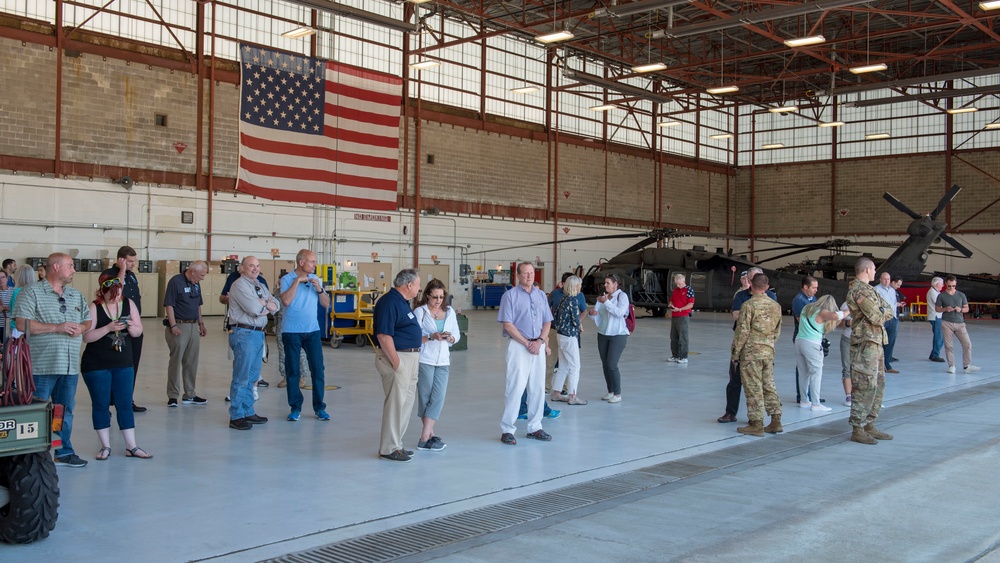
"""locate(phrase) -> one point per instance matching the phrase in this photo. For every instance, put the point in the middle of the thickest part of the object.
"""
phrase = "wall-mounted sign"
(373, 217)
(187, 217)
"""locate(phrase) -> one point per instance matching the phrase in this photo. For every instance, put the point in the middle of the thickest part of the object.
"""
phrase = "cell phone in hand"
(124, 318)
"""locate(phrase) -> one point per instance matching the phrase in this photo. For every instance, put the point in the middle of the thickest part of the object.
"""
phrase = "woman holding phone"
(612, 334)
(107, 364)
(439, 326)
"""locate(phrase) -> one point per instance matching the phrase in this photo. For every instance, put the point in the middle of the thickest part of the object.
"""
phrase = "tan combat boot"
(756, 428)
(775, 425)
(861, 437)
(876, 433)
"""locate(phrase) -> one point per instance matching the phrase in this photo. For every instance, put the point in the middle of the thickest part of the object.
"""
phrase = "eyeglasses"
(109, 283)
(62, 304)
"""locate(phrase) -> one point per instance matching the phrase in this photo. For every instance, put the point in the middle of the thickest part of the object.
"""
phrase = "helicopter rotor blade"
(899, 205)
(945, 201)
(957, 245)
(581, 239)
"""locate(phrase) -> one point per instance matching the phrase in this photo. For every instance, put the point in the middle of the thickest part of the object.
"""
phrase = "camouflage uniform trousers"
(758, 386)
(867, 382)
(303, 364)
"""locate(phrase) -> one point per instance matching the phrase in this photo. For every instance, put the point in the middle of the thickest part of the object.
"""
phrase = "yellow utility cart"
(352, 316)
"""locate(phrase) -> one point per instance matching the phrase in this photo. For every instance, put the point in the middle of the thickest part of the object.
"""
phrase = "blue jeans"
(432, 387)
(524, 406)
(248, 348)
(106, 385)
(938, 338)
(890, 328)
(295, 343)
(61, 389)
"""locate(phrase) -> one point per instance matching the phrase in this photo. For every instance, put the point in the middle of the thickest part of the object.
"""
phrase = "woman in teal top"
(817, 319)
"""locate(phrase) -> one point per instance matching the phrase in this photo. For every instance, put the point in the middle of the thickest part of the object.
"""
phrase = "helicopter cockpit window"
(699, 281)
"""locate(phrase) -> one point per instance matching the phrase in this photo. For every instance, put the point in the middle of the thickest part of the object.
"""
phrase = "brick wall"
(27, 96)
(109, 108)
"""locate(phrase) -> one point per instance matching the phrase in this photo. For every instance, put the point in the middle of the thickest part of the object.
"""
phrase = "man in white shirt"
(934, 318)
(888, 294)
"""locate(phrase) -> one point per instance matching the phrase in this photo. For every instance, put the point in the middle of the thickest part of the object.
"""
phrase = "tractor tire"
(33, 486)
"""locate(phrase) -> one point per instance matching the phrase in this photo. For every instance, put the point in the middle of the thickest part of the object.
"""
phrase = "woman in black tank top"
(107, 364)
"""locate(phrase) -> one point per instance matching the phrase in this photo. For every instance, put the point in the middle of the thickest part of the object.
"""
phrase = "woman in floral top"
(567, 324)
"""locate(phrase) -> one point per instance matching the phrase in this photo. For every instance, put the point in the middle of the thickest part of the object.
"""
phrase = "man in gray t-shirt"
(954, 304)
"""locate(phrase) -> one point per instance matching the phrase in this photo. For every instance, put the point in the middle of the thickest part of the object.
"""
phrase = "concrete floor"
(220, 494)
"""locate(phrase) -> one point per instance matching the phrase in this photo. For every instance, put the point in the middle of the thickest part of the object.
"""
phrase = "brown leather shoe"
(727, 418)
(892, 371)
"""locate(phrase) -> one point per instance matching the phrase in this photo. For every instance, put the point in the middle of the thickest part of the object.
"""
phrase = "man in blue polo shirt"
(397, 361)
(887, 292)
(302, 294)
(808, 295)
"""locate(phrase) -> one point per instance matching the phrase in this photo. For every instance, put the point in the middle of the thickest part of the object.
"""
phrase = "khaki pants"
(184, 351)
(400, 386)
(951, 330)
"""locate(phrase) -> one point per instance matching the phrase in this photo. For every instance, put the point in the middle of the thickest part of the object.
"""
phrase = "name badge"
(187, 290)
(410, 315)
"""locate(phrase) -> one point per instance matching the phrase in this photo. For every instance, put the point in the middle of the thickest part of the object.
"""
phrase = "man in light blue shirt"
(888, 294)
(302, 295)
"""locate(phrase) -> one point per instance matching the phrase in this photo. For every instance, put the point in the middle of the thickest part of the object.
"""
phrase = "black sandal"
(132, 453)
(103, 454)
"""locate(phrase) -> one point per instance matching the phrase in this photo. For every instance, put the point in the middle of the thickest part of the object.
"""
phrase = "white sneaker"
(615, 399)
(847, 401)
(821, 408)
(671, 359)
(682, 361)
(608, 397)
(951, 369)
(971, 369)
(805, 404)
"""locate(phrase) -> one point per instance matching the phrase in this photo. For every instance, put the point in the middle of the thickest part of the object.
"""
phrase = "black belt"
(534, 339)
(249, 327)
(408, 350)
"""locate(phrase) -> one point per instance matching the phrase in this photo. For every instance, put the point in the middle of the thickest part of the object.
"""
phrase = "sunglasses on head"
(613, 277)
(110, 283)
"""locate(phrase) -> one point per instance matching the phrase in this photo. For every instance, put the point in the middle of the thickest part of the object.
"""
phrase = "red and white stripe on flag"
(317, 131)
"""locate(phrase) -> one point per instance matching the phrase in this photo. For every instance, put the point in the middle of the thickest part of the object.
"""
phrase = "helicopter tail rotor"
(900, 206)
(945, 201)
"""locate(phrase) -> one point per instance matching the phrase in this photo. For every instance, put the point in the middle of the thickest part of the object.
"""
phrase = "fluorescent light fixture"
(605, 107)
(969, 109)
(805, 41)
(555, 36)
(326, 6)
(831, 124)
(993, 126)
(773, 146)
(868, 68)
(721, 136)
(638, 7)
(877, 136)
(524, 90)
(418, 1)
(302, 31)
(651, 67)
(668, 124)
(723, 90)
(783, 109)
(991, 5)
(424, 65)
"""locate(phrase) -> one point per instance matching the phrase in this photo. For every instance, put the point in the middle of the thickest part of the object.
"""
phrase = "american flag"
(317, 131)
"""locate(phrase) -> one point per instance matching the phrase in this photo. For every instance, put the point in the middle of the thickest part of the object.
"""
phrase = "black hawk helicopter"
(647, 271)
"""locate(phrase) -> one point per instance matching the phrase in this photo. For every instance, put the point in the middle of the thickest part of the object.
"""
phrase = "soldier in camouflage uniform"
(757, 329)
(869, 312)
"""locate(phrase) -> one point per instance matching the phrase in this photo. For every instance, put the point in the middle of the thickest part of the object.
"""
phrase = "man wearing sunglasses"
(56, 316)
(123, 270)
(953, 304)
